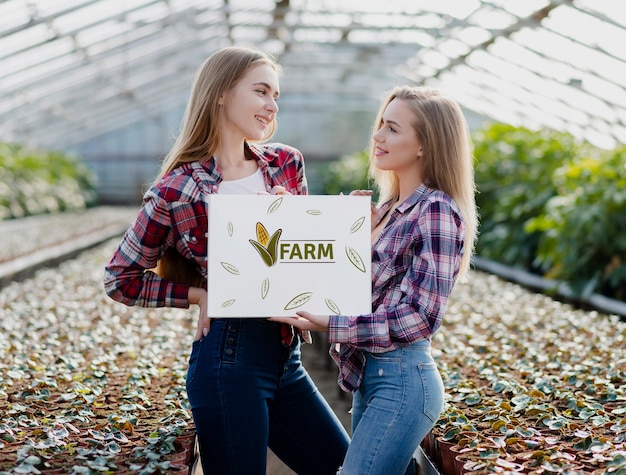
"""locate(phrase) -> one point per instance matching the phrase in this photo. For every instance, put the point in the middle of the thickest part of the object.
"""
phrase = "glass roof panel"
(12, 14)
(540, 63)
(18, 80)
(519, 9)
(46, 9)
(492, 19)
(452, 8)
(24, 39)
(473, 35)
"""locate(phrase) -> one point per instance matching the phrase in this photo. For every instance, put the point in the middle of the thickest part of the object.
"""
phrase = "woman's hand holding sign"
(198, 296)
(276, 190)
(305, 321)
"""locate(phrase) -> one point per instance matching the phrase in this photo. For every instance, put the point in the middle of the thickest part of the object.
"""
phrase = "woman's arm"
(128, 277)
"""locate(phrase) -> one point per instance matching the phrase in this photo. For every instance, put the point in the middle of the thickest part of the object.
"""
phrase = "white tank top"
(249, 185)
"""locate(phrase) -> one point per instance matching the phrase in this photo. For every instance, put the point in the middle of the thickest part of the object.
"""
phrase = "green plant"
(346, 174)
(36, 182)
(583, 227)
(514, 167)
(160, 443)
(26, 462)
(151, 467)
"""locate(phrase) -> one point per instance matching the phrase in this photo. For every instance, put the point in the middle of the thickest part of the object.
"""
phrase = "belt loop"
(306, 336)
(286, 334)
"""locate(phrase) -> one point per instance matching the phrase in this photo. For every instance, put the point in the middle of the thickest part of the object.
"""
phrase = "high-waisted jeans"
(397, 404)
(248, 391)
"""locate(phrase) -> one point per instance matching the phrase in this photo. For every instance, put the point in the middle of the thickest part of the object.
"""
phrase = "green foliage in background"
(548, 204)
(347, 174)
(514, 169)
(554, 206)
(583, 227)
(38, 182)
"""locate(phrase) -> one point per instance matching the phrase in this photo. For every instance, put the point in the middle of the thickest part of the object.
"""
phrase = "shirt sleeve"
(128, 278)
(413, 305)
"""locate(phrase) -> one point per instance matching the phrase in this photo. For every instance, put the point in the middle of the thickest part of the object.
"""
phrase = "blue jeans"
(397, 404)
(248, 391)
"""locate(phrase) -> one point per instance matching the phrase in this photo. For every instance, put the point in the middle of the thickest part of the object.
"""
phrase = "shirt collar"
(407, 204)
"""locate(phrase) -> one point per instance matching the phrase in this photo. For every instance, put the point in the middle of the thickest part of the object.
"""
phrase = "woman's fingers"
(305, 321)
(203, 329)
(279, 190)
(295, 321)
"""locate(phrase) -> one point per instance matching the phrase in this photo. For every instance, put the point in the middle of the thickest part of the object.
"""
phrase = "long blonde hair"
(447, 155)
(199, 136)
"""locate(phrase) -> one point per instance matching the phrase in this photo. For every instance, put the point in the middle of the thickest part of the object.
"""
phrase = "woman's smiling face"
(250, 106)
(397, 146)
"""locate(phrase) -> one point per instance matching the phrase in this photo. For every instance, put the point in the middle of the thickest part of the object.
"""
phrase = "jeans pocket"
(193, 361)
(433, 390)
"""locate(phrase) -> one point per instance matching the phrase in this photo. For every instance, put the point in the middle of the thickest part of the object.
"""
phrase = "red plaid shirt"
(174, 215)
(415, 262)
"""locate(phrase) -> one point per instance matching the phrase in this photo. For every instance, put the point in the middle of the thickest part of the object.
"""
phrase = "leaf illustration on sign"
(274, 206)
(272, 246)
(299, 300)
(314, 212)
(332, 306)
(265, 287)
(266, 246)
(228, 303)
(230, 229)
(265, 255)
(355, 259)
(230, 268)
(357, 225)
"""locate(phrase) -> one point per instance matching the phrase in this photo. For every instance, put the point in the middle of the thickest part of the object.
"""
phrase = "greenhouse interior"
(532, 349)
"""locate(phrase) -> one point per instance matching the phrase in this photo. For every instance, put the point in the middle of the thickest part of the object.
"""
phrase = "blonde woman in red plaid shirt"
(246, 384)
(424, 228)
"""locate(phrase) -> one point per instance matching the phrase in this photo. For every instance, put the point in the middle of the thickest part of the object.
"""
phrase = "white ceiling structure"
(71, 70)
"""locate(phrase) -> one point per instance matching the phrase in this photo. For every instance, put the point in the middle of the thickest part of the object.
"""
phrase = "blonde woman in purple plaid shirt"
(246, 384)
(423, 233)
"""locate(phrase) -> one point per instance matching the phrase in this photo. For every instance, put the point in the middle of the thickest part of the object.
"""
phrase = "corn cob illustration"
(266, 245)
(262, 235)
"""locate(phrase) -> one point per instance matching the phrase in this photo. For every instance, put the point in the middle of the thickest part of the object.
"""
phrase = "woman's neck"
(407, 185)
(232, 162)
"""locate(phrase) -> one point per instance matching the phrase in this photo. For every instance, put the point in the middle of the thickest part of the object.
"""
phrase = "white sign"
(273, 255)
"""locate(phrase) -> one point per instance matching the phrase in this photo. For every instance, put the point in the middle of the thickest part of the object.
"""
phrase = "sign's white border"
(273, 255)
